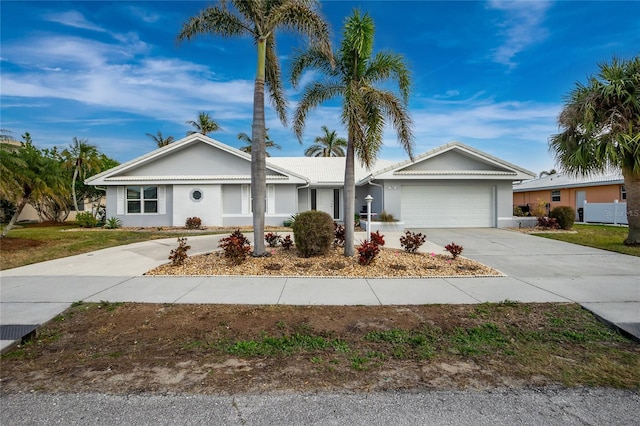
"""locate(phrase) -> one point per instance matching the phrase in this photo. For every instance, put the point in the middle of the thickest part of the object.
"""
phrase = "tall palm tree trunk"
(258, 162)
(16, 214)
(632, 186)
(73, 187)
(349, 195)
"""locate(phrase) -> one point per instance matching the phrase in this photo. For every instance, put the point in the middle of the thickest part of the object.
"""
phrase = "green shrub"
(565, 216)
(113, 223)
(517, 212)
(313, 232)
(386, 217)
(86, 220)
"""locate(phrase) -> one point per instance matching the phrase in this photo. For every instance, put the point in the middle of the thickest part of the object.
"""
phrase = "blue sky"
(491, 74)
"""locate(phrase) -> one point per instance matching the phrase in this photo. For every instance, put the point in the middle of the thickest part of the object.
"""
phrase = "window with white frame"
(623, 192)
(555, 195)
(247, 207)
(142, 199)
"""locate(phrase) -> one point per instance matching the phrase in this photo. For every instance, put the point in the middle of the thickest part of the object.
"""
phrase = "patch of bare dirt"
(389, 263)
(8, 244)
(159, 348)
(131, 348)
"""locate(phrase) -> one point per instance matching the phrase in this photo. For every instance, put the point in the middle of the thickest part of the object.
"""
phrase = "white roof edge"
(102, 177)
(448, 147)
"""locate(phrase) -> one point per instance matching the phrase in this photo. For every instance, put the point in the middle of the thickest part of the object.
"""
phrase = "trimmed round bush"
(565, 216)
(313, 233)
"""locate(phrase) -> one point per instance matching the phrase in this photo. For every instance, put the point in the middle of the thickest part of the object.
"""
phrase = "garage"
(448, 206)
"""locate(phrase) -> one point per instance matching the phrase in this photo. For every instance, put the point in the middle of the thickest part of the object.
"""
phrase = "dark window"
(313, 199)
(336, 204)
(142, 199)
(623, 193)
(555, 195)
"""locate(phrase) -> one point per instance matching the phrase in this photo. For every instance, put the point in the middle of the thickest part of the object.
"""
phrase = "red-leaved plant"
(272, 239)
(236, 247)
(367, 251)
(411, 241)
(454, 249)
(377, 238)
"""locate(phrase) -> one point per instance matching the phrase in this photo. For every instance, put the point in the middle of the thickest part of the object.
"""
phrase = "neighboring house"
(451, 186)
(565, 190)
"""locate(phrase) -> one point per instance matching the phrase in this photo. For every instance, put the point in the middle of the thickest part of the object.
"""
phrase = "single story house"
(451, 186)
(566, 190)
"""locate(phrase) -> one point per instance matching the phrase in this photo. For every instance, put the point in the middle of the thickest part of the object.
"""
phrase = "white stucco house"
(451, 186)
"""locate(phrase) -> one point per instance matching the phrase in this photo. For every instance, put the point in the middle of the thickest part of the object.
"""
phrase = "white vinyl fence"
(615, 213)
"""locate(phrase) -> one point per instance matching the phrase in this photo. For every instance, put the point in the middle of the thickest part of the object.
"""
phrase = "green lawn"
(34, 243)
(606, 237)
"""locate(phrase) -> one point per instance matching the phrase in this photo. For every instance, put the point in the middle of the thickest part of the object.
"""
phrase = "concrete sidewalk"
(536, 269)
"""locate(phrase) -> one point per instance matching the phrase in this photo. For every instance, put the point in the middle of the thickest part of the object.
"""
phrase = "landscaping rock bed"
(389, 263)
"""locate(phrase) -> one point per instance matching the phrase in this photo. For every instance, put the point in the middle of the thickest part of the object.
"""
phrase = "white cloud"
(74, 19)
(108, 76)
(521, 27)
(143, 14)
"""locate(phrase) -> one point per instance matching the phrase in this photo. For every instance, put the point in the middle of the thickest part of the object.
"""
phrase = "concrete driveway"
(604, 282)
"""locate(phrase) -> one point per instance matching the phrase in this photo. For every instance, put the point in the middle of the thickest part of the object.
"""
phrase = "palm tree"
(259, 20)
(600, 130)
(159, 140)
(328, 145)
(204, 125)
(365, 107)
(548, 173)
(82, 157)
(10, 163)
(268, 143)
(40, 177)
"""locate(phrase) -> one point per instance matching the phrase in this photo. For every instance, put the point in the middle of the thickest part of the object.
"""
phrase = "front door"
(324, 200)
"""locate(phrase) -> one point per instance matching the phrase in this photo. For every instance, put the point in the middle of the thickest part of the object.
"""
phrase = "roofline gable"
(397, 167)
(180, 144)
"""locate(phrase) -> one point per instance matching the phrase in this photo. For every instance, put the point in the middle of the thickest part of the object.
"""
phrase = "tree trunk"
(632, 186)
(73, 188)
(258, 162)
(349, 196)
(13, 220)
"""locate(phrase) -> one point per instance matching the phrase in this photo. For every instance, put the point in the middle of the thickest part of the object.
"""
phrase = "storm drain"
(22, 332)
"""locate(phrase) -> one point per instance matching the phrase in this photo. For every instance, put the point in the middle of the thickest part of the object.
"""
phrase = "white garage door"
(448, 206)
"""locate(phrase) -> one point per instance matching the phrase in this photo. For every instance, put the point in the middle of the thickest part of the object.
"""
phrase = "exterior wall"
(199, 159)
(304, 201)
(594, 194)
(452, 161)
(285, 205)
(377, 205)
(140, 220)
(208, 208)
(503, 200)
